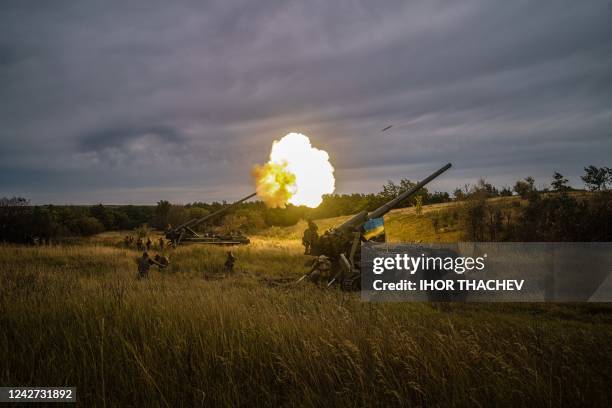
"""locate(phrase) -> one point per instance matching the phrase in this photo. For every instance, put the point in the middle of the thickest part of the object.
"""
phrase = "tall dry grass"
(77, 316)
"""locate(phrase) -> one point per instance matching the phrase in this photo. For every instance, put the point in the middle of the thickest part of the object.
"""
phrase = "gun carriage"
(342, 244)
(185, 233)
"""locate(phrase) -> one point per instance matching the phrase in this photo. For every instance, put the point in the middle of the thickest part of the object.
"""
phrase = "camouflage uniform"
(173, 238)
(162, 261)
(144, 264)
(229, 262)
(161, 244)
(310, 236)
(320, 271)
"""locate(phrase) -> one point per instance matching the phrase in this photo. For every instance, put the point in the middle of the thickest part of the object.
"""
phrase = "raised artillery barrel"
(388, 206)
(196, 221)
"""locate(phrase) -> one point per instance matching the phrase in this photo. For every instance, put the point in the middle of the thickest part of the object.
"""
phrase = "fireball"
(296, 173)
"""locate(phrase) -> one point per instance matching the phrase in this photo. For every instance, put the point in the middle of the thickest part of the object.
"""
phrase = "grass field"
(76, 316)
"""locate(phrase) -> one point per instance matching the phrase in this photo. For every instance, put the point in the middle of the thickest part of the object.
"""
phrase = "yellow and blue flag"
(373, 228)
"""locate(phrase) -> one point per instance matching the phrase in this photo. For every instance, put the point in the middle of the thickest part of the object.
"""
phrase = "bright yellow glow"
(297, 173)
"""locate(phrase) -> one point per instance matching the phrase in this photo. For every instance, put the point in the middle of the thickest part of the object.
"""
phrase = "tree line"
(23, 223)
(549, 215)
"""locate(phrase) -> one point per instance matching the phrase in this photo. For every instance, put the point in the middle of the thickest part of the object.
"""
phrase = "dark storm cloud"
(120, 135)
(141, 101)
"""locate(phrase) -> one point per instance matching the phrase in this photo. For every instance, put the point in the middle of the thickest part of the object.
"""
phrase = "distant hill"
(437, 223)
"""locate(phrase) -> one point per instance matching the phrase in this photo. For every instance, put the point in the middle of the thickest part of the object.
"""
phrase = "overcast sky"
(138, 101)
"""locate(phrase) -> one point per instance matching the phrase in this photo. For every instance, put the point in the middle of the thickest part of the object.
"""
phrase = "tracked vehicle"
(185, 233)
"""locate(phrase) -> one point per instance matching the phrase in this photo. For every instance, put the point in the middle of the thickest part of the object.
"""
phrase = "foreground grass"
(76, 316)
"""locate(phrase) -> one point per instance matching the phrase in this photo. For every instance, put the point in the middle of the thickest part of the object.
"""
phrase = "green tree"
(254, 219)
(458, 194)
(87, 225)
(438, 197)
(525, 187)
(104, 215)
(44, 223)
(484, 188)
(234, 223)
(15, 219)
(177, 215)
(391, 190)
(559, 182)
(122, 221)
(597, 178)
(161, 214)
(474, 218)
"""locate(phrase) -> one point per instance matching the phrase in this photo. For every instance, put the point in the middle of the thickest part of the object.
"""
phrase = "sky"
(131, 102)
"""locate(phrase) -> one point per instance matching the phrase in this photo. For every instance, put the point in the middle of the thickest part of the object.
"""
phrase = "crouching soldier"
(162, 260)
(320, 271)
(144, 265)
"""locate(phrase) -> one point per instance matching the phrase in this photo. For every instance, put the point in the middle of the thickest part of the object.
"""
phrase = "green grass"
(76, 315)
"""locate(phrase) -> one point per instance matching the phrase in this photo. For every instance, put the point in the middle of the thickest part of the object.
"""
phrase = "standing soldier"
(229, 262)
(161, 244)
(149, 243)
(173, 237)
(144, 265)
(126, 241)
(310, 237)
(139, 244)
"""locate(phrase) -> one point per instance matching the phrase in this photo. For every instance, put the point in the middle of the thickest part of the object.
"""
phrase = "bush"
(86, 226)
(143, 231)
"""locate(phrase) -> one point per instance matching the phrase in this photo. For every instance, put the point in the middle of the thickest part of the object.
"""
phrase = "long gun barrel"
(363, 216)
(192, 223)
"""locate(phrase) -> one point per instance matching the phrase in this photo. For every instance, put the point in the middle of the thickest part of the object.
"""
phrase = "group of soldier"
(141, 245)
(161, 261)
(320, 270)
(145, 261)
(319, 273)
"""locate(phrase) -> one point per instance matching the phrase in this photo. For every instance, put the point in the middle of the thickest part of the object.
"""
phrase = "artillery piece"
(185, 232)
(342, 244)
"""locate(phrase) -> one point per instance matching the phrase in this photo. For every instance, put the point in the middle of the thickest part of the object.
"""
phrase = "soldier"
(310, 237)
(126, 241)
(162, 260)
(149, 243)
(161, 243)
(229, 262)
(172, 237)
(139, 244)
(144, 265)
(321, 268)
